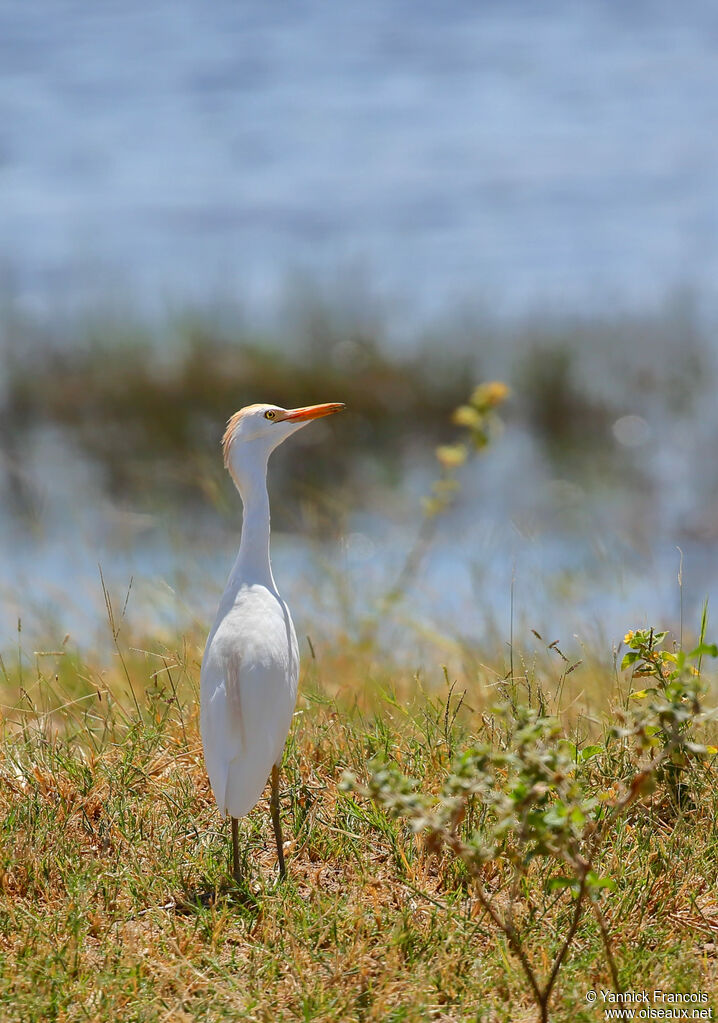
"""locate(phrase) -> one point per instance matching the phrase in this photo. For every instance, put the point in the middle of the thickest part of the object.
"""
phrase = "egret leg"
(274, 807)
(235, 849)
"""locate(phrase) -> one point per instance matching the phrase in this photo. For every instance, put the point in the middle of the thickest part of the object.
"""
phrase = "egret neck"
(253, 564)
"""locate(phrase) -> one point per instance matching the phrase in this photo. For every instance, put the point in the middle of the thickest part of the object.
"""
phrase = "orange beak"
(297, 415)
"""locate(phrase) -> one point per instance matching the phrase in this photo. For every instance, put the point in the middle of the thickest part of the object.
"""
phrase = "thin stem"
(115, 629)
(558, 961)
(414, 558)
(606, 938)
(508, 929)
(235, 849)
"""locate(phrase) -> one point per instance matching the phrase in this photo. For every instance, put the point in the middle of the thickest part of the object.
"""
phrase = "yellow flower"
(451, 455)
(629, 636)
(490, 394)
(465, 415)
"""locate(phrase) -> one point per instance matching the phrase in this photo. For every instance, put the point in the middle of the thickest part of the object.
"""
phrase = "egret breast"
(248, 687)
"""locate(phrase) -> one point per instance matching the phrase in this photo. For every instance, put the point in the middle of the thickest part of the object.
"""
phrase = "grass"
(116, 901)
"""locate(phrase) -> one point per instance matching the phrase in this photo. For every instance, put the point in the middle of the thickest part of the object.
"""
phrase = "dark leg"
(274, 807)
(235, 849)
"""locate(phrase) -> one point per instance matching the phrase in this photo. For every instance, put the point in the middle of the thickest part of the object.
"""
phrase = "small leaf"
(589, 751)
(561, 882)
(594, 881)
(704, 650)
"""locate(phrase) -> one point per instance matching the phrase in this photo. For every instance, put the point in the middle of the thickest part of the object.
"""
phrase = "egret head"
(255, 431)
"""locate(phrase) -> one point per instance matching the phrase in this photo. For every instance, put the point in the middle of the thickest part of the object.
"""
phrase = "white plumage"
(249, 688)
(250, 668)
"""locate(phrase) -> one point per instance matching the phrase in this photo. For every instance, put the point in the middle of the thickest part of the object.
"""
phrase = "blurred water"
(563, 155)
(579, 563)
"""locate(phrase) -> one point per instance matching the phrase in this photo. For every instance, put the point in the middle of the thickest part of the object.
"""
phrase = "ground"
(116, 898)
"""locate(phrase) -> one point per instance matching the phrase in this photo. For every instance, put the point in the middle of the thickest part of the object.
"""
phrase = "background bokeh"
(206, 206)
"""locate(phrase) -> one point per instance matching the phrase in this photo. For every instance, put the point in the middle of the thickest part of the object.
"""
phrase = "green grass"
(116, 902)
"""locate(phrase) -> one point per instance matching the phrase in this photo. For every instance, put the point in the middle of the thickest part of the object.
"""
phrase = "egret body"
(250, 668)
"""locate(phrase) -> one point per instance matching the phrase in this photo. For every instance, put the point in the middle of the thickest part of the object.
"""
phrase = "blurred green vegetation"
(146, 406)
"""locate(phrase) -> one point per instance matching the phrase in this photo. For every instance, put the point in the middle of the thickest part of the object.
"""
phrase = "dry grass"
(117, 905)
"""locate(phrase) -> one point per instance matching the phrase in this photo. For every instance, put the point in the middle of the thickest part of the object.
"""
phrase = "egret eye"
(270, 414)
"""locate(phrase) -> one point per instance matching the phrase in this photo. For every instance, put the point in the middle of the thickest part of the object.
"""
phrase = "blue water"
(561, 155)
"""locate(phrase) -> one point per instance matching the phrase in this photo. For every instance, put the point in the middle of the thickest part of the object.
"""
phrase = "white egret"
(250, 668)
